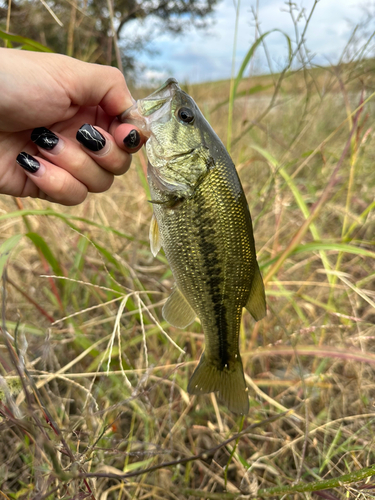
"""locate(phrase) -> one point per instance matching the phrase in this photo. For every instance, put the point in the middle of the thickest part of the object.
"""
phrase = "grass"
(93, 381)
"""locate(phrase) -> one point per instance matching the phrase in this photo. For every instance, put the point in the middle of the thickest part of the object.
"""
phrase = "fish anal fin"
(229, 383)
(177, 310)
(256, 304)
(155, 238)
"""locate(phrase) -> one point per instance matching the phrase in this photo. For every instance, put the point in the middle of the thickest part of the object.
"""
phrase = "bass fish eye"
(185, 115)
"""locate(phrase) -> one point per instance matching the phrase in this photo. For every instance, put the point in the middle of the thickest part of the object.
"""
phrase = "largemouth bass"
(202, 221)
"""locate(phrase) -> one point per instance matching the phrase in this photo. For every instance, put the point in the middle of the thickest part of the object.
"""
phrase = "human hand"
(45, 100)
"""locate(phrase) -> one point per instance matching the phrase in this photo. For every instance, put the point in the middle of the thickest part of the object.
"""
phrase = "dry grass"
(106, 386)
(103, 392)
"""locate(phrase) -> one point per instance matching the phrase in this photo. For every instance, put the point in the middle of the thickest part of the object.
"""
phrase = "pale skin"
(61, 94)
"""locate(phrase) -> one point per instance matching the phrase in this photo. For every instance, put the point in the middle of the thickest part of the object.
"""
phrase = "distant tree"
(86, 28)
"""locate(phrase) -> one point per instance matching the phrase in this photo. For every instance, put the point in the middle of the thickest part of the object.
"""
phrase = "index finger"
(93, 84)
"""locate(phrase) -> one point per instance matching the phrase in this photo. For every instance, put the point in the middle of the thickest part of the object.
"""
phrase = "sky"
(206, 55)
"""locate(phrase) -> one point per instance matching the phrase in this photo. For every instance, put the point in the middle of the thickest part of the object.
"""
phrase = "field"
(98, 408)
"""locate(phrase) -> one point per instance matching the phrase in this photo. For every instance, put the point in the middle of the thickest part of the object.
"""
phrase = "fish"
(202, 221)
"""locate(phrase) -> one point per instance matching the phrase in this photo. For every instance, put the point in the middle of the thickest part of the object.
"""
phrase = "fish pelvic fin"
(256, 304)
(229, 383)
(177, 310)
(155, 237)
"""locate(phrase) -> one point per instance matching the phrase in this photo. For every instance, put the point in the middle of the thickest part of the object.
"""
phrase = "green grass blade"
(26, 43)
(236, 82)
(67, 218)
(299, 199)
(251, 91)
(6, 248)
(246, 61)
(362, 217)
(325, 246)
(337, 247)
(42, 245)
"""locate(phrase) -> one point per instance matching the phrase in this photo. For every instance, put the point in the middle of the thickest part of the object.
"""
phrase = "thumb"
(88, 84)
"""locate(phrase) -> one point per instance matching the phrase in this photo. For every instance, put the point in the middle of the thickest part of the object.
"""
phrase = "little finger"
(56, 183)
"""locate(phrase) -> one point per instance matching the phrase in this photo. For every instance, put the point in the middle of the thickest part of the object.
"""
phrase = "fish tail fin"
(229, 382)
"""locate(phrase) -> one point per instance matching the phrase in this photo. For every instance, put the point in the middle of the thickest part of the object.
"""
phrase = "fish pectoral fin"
(155, 237)
(256, 304)
(229, 383)
(177, 310)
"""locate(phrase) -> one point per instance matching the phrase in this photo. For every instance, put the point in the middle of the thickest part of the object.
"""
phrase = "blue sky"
(207, 55)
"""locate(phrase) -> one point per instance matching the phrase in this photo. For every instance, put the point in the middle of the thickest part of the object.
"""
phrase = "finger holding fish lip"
(104, 149)
(127, 136)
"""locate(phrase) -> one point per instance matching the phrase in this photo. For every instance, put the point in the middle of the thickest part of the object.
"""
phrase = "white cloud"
(155, 75)
(201, 56)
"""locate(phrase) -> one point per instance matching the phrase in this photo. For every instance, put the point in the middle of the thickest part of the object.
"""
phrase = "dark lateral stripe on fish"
(213, 269)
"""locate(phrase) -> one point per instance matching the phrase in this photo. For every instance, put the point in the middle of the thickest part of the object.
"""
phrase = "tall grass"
(93, 381)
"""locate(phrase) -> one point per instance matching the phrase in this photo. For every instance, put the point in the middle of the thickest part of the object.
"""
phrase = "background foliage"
(93, 30)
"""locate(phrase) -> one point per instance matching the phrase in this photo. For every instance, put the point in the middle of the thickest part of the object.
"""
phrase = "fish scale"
(216, 281)
(202, 221)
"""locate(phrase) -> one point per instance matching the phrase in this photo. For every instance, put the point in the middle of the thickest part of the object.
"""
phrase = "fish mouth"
(154, 108)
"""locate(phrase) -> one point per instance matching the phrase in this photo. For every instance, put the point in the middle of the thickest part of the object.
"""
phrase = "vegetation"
(93, 401)
(97, 30)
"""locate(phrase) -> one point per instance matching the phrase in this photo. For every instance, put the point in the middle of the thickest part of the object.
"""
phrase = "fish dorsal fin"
(256, 305)
(155, 238)
(177, 310)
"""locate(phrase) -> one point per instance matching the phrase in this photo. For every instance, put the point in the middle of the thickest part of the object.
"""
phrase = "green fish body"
(202, 221)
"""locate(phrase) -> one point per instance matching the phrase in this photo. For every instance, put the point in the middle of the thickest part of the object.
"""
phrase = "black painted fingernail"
(28, 162)
(89, 137)
(44, 138)
(133, 139)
